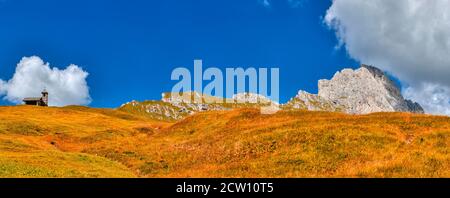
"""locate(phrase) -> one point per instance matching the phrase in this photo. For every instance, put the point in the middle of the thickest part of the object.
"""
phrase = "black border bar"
(280, 186)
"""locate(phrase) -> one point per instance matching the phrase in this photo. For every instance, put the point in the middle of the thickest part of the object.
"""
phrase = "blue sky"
(129, 48)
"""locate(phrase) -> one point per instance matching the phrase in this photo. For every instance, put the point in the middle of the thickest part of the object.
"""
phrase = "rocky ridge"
(361, 91)
(172, 107)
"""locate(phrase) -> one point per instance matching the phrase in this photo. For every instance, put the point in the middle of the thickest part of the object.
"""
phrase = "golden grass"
(86, 142)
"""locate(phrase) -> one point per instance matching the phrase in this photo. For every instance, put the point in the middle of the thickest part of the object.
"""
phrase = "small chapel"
(38, 101)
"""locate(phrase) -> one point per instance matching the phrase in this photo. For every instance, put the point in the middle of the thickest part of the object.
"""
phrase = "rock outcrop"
(251, 98)
(312, 102)
(361, 91)
(172, 107)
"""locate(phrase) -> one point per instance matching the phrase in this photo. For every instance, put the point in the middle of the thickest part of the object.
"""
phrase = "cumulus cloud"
(32, 75)
(433, 97)
(407, 38)
(2, 87)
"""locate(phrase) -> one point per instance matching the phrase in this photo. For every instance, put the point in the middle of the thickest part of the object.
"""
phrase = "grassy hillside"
(39, 141)
(86, 142)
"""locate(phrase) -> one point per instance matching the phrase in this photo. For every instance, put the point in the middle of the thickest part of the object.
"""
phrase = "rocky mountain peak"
(361, 91)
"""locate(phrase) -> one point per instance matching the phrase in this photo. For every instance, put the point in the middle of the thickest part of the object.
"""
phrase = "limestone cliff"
(361, 91)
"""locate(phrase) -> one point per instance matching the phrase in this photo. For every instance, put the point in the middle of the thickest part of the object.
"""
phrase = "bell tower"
(45, 97)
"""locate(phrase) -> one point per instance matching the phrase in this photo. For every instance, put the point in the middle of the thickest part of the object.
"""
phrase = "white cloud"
(435, 98)
(32, 75)
(2, 87)
(408, 38)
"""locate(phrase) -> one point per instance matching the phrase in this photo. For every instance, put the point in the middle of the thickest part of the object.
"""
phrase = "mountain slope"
(245, 143)
(86, 142)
